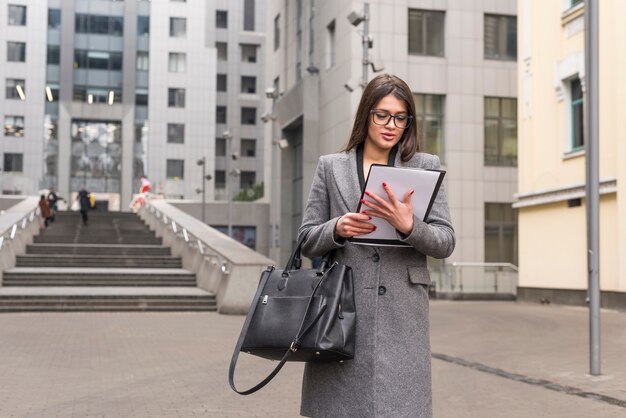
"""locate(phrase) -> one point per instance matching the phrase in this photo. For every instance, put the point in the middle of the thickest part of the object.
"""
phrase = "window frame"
(24, 16)
(16, 49)
(18, 129)
(501, 53)
(176, 97)
(501, 160)
(574, 105)
(426, 32)
(175, 135)
(18, 162)
(175, 32)
(168, 168)
(424, 115)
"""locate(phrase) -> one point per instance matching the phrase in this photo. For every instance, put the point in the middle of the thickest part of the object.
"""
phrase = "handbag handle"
(295, 344)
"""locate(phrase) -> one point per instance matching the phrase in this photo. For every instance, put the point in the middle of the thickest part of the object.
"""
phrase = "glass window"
(176, 97)
(244, 234)
(575, 2)
(220, 179)
(54, 18)
(52, 92)
(17, 15)
(500, 37)
(13, 163)
(222, 51)
(220, 114)
(248, 84)
(248, 115)
(99, 24)
(430, 112)
(500, 131)
(53, 56)
(248, 53)
(178, 62)
(578, 133)
(175, 169)
(14, 126)
(141, 97)
(178, 27)
(248, 15)
(15, 88)
(16, 51)
(143, 61)
(143, 25)
(276, 32)
(248, 147)
(426, 32)
(330, 44)
(247, 179)
(221, 82)
(175, 133)
(221, 19)
(220, 147)
(500, 233)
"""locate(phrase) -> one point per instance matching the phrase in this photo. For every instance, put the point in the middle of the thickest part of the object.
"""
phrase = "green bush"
(251, 194)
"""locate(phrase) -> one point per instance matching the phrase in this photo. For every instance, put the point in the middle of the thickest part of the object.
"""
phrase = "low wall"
(18, 224)
(222, 265)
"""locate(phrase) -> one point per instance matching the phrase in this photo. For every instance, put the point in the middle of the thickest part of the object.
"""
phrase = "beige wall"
(552, 236)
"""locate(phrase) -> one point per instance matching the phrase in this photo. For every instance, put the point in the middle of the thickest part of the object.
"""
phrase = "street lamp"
(205, 177)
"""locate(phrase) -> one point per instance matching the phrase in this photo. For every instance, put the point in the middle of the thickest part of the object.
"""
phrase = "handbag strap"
(295, 344)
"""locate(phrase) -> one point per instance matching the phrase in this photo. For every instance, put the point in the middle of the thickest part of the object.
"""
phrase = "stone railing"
(18, 225)
(222, 265)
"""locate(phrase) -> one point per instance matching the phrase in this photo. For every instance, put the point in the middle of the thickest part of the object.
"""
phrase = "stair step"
(40, 299)
(95, 239)
(104, 249)
(91, 276)
(93, 260)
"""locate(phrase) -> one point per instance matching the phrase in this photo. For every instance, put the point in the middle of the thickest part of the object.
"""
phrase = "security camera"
(348, 87)
(266, 117)
(356, 18)
(375, 68)
(270, 93)
(282, 143)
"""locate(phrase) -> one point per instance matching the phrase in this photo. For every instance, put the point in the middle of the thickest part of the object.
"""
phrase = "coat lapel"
(346, 179)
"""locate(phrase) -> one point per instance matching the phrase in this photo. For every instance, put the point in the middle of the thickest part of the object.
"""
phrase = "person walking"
(53, 199)
(390, 375)
(85, 203)
(45, 210)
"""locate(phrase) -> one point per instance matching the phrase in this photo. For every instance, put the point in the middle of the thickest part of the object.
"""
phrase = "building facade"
(102, 92)
(459, 58)
(551, 191)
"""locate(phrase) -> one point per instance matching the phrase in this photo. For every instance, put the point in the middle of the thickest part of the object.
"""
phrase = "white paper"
(400, 180)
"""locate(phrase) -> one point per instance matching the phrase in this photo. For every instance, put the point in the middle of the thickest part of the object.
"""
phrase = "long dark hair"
(381, 86)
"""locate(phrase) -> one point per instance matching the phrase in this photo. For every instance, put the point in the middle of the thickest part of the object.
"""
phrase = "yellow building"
(551, 204)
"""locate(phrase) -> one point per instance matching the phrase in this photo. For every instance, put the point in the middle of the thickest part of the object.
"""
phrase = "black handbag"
(299, 315)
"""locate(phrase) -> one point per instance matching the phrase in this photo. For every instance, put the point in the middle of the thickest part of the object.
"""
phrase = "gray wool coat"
(390, 375)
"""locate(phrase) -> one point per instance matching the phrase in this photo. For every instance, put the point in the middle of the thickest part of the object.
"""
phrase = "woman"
(390, 374)
(45, 210)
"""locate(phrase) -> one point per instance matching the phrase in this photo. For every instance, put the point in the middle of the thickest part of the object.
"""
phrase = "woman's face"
(382, 133)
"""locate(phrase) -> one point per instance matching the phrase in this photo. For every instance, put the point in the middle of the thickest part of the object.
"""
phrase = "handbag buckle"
(294, 346)
(264, 301)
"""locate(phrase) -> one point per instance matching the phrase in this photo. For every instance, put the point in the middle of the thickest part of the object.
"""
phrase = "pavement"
(490, 359)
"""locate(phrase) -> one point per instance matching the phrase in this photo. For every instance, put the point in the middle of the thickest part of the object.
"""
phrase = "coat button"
(375, 258)
(382, 290)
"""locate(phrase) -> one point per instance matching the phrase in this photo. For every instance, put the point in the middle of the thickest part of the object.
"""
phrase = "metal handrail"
(11, 232)
(192, 240)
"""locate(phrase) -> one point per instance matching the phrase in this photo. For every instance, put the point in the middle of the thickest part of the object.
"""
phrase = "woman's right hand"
(353, 224)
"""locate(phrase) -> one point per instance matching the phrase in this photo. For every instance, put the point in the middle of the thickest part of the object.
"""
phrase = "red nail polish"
(412, 191)
(374, 228)
(369, 218)
(362, 200)
(384, 184)
(367, 193)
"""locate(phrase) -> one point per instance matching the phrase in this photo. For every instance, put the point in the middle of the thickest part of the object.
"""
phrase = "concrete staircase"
(114, 264)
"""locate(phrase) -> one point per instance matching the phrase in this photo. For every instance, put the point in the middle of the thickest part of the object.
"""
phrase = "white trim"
(561, 194)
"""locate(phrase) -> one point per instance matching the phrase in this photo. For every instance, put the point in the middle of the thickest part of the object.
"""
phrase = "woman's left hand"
(398, 213)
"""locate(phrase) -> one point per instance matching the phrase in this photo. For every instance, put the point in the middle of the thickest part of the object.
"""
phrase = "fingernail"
(412, 191)
(374, 228)
(367, 193)
(384, 184)
(369, 218)
(362, 200)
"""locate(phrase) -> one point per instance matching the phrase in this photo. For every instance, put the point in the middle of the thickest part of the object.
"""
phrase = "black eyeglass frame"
(409, 119)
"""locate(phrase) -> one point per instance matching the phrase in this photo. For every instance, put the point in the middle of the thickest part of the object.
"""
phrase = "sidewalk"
(175, 365)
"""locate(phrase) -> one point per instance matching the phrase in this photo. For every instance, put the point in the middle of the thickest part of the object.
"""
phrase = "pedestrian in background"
(390, 375)
(53, 198)
(45, 210)
(84, 200)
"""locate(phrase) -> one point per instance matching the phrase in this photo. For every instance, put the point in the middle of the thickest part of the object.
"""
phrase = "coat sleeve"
(435, 237)
(317, 224)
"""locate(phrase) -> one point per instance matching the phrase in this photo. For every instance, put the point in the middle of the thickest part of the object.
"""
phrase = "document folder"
(426, 184)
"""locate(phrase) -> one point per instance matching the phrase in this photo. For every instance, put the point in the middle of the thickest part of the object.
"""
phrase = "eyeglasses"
(381, 118)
